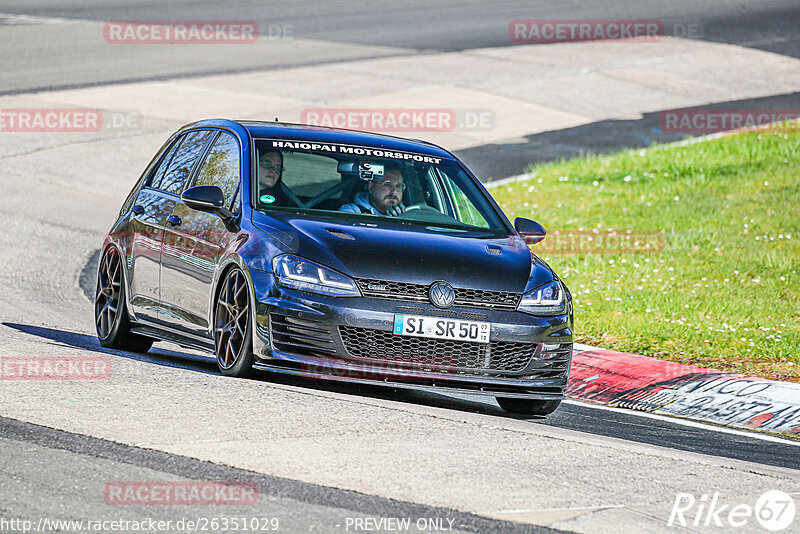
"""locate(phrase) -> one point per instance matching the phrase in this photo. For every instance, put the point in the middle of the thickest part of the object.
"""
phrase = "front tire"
(233, 337)
(111, 318)
(528, 406)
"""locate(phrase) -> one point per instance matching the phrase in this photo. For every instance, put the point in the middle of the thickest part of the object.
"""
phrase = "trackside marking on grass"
(654, 386)
(643, 384)
(604, 376)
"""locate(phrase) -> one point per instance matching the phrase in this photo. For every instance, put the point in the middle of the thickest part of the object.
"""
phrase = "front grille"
(300, 336)
(474, 316)
(442, 313)
(473, 298)
(263, 331)
(553, 362)
(437, 354)
(491, 299)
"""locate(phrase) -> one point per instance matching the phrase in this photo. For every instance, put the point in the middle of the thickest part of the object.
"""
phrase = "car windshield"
(368, 182)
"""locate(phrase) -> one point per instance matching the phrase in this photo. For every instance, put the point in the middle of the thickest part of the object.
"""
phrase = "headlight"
(548, 299)
(305, 275)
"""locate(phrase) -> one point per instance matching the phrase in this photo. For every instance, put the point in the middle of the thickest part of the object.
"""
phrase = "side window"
(465, 210)
(155, 178)
(181, 162)
(309, 174)
(221, 166)
(433, 191)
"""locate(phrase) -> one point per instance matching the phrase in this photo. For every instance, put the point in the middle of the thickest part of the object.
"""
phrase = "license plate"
(441, 328)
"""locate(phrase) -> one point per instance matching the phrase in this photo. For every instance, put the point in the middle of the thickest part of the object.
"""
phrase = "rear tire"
(528, 406)
(233, 337)
(111, 318)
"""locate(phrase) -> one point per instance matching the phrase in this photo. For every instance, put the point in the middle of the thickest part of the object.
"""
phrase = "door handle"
(137, 209)
(174, 220)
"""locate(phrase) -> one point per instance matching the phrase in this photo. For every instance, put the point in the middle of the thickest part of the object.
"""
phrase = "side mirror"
(531, 231)
(208, 198)
(204, 198)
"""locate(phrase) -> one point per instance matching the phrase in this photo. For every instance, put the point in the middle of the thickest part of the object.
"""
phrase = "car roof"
(322, 134)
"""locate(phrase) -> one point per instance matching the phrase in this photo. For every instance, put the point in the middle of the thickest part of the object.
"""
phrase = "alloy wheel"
(109, 289)
(230, 328)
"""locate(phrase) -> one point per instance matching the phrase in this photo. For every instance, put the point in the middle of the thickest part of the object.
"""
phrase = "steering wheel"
(425, 213)
(421, 206)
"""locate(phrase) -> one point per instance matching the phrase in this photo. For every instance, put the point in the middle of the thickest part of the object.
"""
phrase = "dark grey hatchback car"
(334, 254)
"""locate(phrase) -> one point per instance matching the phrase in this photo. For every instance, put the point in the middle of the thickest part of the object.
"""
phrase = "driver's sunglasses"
(388, 184)
(271, 167)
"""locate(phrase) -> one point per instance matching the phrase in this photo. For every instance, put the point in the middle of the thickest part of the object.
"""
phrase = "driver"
(384, 196)
(270, 175)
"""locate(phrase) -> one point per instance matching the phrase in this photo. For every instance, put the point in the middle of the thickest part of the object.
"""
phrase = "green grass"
(723, 291)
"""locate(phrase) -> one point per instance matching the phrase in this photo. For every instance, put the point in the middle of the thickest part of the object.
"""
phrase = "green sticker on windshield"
(267, 199)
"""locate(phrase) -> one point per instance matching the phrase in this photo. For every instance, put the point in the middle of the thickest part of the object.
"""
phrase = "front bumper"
(319, 345)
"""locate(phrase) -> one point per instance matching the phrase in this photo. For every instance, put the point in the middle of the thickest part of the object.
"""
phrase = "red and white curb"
(623, 380)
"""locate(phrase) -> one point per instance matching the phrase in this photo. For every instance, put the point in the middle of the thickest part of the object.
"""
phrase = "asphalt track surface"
(34, 453)
(574, 415)
(46, 471)
(34, 456)
(416, 26)
(332, 32)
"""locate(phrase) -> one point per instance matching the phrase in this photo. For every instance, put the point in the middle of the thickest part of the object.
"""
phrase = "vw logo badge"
(442, 295)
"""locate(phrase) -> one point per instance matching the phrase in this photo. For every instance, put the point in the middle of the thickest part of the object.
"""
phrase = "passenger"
(384, 196)
(270, 176)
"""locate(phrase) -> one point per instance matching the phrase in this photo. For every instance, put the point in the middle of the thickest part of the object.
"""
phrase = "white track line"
(686, 422)
(13, 19)
(567, 509)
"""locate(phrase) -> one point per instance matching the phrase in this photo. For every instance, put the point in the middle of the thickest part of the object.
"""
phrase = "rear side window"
(221, 166)
(176, 166)
(155, 177)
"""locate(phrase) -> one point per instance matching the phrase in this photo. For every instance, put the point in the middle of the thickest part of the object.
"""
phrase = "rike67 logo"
(774, 510)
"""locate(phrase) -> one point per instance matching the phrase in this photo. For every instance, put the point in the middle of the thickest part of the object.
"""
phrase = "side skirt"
(172, 335)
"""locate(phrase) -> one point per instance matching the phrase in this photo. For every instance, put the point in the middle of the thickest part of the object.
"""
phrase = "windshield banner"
(355, 150)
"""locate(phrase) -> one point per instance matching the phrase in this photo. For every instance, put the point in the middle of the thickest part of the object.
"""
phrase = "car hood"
(409, 252)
